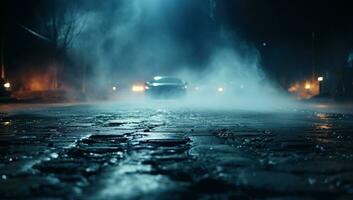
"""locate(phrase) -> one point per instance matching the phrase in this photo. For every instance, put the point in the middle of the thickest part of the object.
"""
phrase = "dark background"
(291, 36)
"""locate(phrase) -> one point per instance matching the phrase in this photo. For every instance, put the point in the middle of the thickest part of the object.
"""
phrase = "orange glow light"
(138, 88)
(307, 86)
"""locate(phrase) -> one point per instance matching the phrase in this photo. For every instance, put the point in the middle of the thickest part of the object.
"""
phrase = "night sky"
(282, 31)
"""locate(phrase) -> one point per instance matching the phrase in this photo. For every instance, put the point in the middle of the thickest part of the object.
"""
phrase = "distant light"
(114, 88)
(138, 88)
(307, 86)
(320, 78)
(186, 87)
(147, 88)
(7, 85)
(220, 89)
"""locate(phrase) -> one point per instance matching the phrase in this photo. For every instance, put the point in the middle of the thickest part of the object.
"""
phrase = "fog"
(130, 41)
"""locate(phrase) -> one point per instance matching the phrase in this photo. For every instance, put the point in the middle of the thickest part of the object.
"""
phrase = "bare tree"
(60, 21)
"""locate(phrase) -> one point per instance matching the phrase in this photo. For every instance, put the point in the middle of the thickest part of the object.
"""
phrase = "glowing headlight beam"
(156, 78)
(138, 88)
(220, 89)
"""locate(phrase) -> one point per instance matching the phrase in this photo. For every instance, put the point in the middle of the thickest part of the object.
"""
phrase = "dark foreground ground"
(121, 152)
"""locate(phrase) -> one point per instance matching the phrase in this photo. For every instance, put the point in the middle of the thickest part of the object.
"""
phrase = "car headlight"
(138, 88)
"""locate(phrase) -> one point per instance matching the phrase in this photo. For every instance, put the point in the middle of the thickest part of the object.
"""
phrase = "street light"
(320, 79)
(7, 85)
(307, 86)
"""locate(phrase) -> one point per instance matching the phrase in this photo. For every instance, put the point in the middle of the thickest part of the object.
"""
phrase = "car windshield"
(166, 80)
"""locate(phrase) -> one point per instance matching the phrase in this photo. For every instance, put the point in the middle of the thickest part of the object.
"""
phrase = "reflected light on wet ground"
(6, 123)
(321, 106)
(323, 126)
(124, 152)
(321, 116)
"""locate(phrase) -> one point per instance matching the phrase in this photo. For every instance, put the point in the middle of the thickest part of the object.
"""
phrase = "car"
(165, 87)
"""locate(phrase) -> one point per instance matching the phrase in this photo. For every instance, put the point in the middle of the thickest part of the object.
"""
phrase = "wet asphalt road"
(117, 152)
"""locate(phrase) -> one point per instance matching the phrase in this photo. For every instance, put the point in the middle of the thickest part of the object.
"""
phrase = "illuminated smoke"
(131, 41)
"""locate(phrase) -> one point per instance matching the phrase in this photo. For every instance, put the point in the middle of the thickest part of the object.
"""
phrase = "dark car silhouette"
(165, 87)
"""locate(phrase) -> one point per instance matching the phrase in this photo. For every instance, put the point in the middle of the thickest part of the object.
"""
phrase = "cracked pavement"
(123, 152)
